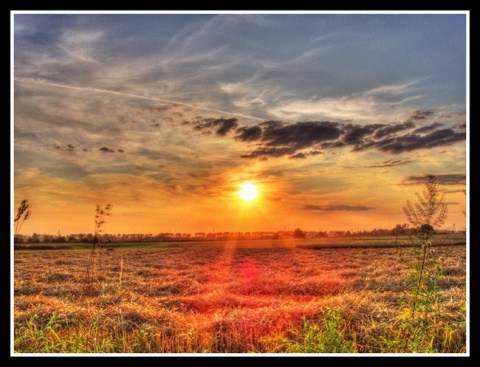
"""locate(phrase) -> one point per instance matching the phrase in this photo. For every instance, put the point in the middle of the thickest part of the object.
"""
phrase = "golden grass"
(185, 298)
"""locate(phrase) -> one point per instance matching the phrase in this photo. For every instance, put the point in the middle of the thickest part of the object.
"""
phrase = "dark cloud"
(446, 179)
(387, 130)
(301, 134)
(226, 126)
(426, 129)
(221, 126)
(298, 156)
(420, 115)
(389, 163)
(107, 150)
(68, 147)
(249, 133)
(277, 139)
(337, 207)
(460, 125)
(355, 135)
(264, 153)
(454, 115)
(332, 144)
(280, 139)
(410, 142)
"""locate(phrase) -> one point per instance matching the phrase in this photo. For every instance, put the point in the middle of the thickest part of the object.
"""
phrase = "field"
(268, 297)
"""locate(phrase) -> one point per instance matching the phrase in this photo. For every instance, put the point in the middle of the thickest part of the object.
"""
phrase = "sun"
(248, 191)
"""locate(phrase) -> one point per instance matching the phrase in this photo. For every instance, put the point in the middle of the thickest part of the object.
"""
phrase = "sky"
(335, 117)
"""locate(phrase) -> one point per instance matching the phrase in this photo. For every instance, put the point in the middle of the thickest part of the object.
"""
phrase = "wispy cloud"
(443, 179)
(80, 46)
(171, 111)
(337, 207)
(389, 163)
(391, 90)
(386, 103)
(221, 126)
(97, 90)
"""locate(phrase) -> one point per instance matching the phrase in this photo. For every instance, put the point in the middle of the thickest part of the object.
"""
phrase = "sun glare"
(248, 191)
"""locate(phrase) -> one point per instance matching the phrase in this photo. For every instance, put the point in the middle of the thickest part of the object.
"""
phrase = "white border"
(210, 12)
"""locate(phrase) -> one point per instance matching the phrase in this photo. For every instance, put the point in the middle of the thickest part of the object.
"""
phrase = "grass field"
(264, 297)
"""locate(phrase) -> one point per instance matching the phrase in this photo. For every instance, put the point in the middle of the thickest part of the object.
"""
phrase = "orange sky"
(165, 118)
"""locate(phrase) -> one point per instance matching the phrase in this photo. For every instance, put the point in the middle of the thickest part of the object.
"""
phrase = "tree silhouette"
(298, 233)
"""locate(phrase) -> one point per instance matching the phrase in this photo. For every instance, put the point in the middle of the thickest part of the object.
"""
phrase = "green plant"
(324, 337)
(52, 338)
(429, 212)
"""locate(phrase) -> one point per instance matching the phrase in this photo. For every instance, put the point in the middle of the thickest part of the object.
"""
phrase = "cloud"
(263, 153)
(162, 109)
(377, 104)
(249, 133)
(398, 89)
(68, 147)
(107, 150)
(445, 179)
(298, 156)
(392, 129)
(78, 45)
(269, 173)
(413, 142)
(355, 134)
(460, 125)
(196, 37)
(37, 82)
(337, 207)
(299, 135)
(421, 115)
(277, 138)
(428, 128)
(389, 163)
(221, 126)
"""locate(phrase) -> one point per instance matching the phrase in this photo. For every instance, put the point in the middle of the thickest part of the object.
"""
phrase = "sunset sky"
(335, 118)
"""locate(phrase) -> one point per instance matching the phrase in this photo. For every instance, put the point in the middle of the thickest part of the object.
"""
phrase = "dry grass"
(185, 298)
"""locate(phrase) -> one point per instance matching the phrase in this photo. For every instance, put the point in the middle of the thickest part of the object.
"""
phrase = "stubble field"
(229, 298)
